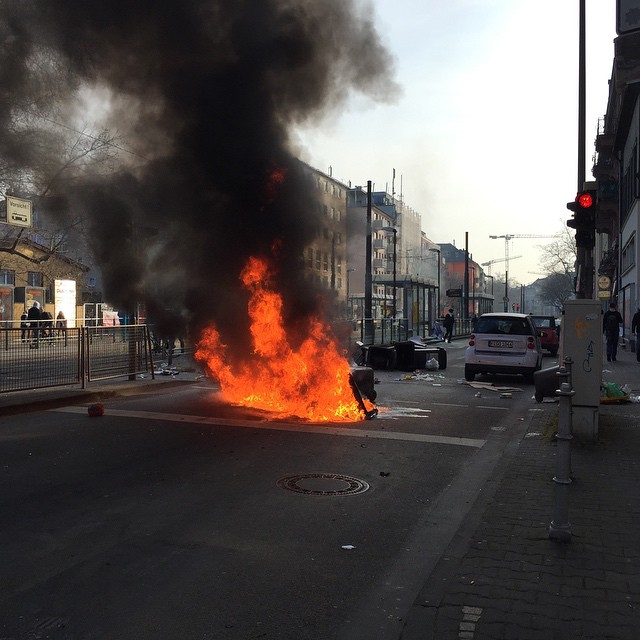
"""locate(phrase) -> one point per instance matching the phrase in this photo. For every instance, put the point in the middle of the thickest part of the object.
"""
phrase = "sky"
(482, 131)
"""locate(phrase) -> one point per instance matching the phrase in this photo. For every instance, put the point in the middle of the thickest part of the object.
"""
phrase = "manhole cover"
(323, 484)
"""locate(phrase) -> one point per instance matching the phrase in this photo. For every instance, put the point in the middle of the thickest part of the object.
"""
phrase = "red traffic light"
(585, 199)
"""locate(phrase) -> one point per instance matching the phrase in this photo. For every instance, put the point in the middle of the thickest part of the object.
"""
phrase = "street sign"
(18, 211)
(454, 293)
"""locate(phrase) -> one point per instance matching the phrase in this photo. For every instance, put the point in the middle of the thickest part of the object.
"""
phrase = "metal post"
(560, 528)
(368, 280)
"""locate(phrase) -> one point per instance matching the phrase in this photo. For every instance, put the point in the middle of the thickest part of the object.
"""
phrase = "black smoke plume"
(204, 95)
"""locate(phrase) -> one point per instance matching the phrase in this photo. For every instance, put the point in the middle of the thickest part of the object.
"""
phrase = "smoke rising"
(204, 94)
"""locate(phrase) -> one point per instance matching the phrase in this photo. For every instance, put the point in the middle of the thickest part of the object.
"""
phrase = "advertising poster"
(65, 301)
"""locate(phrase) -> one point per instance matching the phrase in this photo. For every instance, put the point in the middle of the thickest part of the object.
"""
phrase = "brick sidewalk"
(510, 581)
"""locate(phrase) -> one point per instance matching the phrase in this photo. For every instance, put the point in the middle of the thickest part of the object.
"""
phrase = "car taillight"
(472, 340)
(531, 343)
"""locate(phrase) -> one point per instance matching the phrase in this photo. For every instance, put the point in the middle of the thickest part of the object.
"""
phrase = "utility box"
(581, 340)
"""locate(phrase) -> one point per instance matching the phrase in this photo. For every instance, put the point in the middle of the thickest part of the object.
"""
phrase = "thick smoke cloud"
(204, 93)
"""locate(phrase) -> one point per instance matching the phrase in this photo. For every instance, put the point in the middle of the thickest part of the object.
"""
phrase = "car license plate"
(501, 344)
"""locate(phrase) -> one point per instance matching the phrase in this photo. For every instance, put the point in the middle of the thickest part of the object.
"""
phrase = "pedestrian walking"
(61, 324)
(635, 329)
(611, 322)
(449, 321)
(46, 324)
(34, 315)
(24, 326)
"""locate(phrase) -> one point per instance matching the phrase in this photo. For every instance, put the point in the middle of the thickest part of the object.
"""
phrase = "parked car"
(548, 329)
(503, 343)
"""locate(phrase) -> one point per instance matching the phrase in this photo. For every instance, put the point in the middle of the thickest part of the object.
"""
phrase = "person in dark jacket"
(34, 316)
(611, 322)
(24, 326)
(449, 321)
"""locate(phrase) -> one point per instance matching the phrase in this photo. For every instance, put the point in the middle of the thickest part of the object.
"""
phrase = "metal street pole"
(368, 281)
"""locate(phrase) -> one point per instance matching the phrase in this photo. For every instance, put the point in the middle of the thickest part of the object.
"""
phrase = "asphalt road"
(174, 516)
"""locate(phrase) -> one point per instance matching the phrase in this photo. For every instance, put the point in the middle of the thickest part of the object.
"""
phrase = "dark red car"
(549, 331)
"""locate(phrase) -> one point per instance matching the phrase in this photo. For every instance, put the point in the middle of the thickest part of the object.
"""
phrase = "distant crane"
(507, 237)
(491, 262)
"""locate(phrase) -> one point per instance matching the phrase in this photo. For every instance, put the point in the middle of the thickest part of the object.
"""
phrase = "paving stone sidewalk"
(509, 580)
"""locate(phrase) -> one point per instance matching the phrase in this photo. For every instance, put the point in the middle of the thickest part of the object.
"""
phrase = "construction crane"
(510, 236)
(507, 237)
(491, 262)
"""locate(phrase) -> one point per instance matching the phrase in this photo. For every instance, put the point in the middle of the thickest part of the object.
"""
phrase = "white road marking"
(283, 426)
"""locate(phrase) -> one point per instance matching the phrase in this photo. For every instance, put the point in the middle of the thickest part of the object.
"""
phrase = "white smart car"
(503, 343)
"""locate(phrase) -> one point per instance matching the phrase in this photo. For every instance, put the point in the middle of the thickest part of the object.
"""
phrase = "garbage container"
(381, 357)
(546, 382)
(406, 356)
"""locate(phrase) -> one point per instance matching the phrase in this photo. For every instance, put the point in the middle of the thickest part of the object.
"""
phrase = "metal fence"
(48, 357)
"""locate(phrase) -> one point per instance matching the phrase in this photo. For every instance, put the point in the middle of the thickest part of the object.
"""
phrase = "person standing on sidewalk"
(449, 321)
(35, 317)
(611, 322)
(635, 329)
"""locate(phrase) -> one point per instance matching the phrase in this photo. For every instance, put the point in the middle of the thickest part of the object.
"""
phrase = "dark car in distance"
(549, 331)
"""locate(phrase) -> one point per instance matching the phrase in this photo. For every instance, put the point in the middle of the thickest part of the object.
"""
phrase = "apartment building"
(617, 173)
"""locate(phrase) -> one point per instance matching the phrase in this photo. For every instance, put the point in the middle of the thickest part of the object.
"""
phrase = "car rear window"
(503, 326)
(543, 323)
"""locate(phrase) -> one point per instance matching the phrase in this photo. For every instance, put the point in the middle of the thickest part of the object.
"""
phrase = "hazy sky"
(483, 131)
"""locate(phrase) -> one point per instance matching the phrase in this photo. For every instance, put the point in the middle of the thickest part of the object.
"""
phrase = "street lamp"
(395, 236)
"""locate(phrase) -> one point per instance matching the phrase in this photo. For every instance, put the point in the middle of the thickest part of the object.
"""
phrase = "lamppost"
(437, 250)
(395, 255)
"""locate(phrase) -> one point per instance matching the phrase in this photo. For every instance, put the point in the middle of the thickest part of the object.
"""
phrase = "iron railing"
(40, 357)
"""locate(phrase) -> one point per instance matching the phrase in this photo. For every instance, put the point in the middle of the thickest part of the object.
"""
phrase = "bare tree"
(559, 256)
(556, 289)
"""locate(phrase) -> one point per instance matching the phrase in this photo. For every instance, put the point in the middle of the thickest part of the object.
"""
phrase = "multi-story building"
(617, 172)
(326, 258)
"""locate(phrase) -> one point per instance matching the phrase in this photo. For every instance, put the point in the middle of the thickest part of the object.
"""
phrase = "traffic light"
(584, 218)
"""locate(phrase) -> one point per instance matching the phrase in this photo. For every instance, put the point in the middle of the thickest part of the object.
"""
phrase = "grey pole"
(560, 528)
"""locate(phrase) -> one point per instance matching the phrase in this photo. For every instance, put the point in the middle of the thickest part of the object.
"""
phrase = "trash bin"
(546, 382)
(381, 357)
(364, 379)
(406, 356)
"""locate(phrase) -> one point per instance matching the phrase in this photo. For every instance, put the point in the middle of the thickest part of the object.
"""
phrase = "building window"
(628, 254)
(325, 262)
(325, 233)
(339, 265)
(34, 279)
(310, 258)
(338, 215)
(338, 237)
(318, 257)
(7, 276)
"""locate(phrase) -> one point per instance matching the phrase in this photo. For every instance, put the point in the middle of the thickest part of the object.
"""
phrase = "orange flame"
(310, 382)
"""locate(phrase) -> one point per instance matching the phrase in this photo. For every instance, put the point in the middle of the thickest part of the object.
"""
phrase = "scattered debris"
(489, 386)
(385, 474)
(610, 392)
(347, 547)
(421, 375)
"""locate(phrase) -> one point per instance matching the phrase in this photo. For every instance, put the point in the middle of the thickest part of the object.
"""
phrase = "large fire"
(311, 381)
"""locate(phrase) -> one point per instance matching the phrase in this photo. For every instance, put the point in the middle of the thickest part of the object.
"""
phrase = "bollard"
(560, 528)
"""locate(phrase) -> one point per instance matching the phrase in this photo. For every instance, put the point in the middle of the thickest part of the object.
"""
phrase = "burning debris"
(307, 377)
